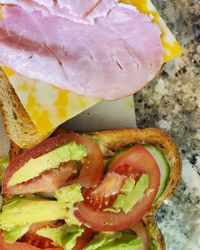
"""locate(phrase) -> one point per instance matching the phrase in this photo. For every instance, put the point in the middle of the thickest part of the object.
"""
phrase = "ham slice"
(112, 58)
(79, 11)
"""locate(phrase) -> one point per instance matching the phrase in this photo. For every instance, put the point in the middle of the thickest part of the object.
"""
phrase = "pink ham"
(79, 11)
(87, 10)
(29, 5)
(112, 58)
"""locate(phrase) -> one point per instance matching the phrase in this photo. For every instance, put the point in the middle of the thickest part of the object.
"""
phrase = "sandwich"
(75, 191)
(94, 191)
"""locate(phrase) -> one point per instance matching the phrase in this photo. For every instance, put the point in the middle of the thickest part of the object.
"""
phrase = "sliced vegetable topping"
(53, 153)
(35, 166)
(44, 243)
(64, 236)
(143, 234)
(3, 165)
(130, 197)
(125, 240)
(133, 162)
(163, 164)
(70, 166)
(26, 211)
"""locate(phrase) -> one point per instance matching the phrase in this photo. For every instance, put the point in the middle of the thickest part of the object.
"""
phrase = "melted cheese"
(49, 106)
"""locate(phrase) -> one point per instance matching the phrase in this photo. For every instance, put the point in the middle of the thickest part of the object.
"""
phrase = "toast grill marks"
(104, 60)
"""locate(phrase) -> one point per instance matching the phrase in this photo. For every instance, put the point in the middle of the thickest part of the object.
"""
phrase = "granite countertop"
(172, 102)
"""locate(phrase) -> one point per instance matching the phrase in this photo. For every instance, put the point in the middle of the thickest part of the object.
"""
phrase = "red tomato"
(82, 241)
(32, 241)
(90, 174)
(140, 161)
(22, 246)
(143, 234)
(105, 194)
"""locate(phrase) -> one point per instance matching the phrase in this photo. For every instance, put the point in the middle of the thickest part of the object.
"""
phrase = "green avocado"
(132, 193)
(34, 167)
(64, 236)
(15, 234)
(3, 165)
(124, 240)
(70, 195)
(25, 211)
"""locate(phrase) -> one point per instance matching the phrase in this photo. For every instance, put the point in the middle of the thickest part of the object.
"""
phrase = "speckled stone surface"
(172, 102)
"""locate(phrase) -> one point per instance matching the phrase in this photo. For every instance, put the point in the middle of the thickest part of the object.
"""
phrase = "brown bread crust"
(17, 122)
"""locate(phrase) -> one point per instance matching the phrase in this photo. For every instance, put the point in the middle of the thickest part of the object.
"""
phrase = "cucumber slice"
(163, 164)
(161, 160)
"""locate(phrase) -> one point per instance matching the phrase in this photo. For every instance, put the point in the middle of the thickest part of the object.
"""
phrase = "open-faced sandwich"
(94, 191)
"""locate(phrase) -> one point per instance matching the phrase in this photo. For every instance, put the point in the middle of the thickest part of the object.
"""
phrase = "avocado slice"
(70, 195)
(15, 234)
(127, 200)
(3, 165)
(124, 240)
(64, 236)
(34, 167)
(25, 211)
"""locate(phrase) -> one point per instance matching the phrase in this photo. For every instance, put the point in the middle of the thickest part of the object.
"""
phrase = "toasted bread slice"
(18, 124)
(113, 140)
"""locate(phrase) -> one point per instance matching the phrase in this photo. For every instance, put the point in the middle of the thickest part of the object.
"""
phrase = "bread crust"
(17, 122)
(154, 232)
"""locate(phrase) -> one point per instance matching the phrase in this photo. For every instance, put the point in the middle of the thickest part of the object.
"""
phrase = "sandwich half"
(94, 191)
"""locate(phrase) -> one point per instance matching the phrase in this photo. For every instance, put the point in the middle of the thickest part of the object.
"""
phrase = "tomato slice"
(105, 194)
(47, 182)
(82, 241)
(139, 159)
(143, 234)
(90, 173)
(22, 246)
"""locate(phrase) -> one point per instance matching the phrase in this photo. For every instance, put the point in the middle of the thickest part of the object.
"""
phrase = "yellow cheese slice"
(171, 47)
(48, 106)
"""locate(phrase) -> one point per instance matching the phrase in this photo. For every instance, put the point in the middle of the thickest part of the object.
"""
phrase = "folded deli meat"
(104, 49)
